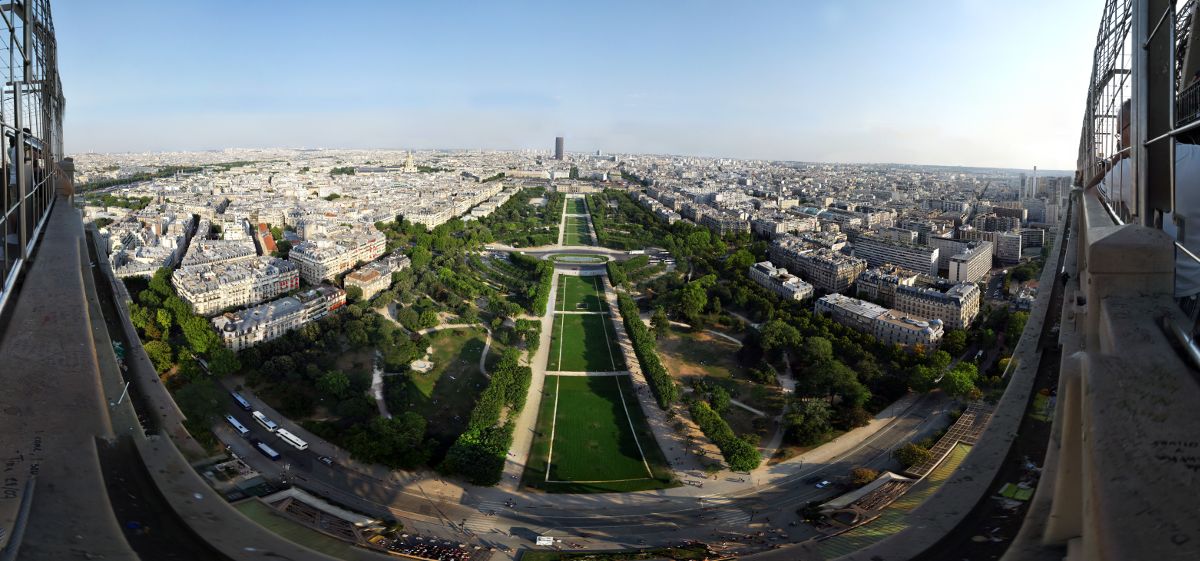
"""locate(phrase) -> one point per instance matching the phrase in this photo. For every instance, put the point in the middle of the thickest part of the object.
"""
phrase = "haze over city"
(956, 83)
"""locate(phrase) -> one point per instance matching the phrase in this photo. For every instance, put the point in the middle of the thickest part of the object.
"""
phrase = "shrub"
(479, 452)
(739, 454)
(665, 391)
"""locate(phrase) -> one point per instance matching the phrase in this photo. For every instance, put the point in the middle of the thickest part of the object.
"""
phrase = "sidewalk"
(518, 453)
(675, 446)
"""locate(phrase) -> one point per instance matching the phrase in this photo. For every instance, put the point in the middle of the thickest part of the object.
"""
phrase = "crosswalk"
(727, 517)
(479, 524)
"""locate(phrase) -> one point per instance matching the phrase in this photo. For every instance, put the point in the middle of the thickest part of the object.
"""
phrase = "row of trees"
(520, 224)
(665, 390)
(740, 453)
(628, 226)
(479, 452)
(539, 291)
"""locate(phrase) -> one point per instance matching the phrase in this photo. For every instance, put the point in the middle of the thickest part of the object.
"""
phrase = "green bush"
(479, 452)
(739, 454)
(665, 390)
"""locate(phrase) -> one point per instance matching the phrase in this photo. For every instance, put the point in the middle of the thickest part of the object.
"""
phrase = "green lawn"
(447, 394)
(576, 232)
(576, 206)
(580, 294)
(584, 343)
(265, 516)
(593, 438)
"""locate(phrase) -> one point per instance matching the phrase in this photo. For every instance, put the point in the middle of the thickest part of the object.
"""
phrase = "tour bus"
(240, 428)
(241, 401)
(266, 450)
(286, 436)
(265, 422)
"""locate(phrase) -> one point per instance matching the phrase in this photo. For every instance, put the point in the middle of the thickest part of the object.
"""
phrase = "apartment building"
(956, 305)
(890, 327)
(722, 224)
(780, 281)
(268, 321)
(878, 251)
(1006, 246)
(376, 276)
(213, 287)
(971, 265)
(326, 258)
(879, 283)
(824, 268)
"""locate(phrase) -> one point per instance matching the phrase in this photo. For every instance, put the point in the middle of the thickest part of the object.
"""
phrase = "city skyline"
(777, 87)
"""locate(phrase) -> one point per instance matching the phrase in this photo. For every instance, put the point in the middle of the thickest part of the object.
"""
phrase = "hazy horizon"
(932, 83)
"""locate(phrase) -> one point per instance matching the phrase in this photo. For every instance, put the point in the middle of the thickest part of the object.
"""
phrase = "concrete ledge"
(52, 409)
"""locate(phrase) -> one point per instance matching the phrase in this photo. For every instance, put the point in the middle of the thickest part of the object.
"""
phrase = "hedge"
(739, 454)
(478, 453)
(539, 291)
(660, 381)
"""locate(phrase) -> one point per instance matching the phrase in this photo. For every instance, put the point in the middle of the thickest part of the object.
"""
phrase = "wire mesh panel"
(1103, 150)
(31, 108)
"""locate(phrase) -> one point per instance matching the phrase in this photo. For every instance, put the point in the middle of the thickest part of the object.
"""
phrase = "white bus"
(240, 428)
(241, 401)
(292, 439)
(265, 422)
(266, 450)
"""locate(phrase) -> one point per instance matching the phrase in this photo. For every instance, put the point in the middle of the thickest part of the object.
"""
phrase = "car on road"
(823, 484)
(326, 460)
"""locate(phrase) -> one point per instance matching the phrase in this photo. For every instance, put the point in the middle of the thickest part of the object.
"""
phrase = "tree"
(778, 335)
(353, 294)
(922, 378)
(150, 299)
(200, 337)
(139, 315)
(960, 381)
(910, 455)
(807, 422)
(160, 282)
(282, 249)
(163, 318)
(954, 342)
(223, 362)
(160, 354)
(334, 383)
(428, 319)
(719, 398)
(860, 476)
(1016, 325)
(739, 261)
(420, 257)
(693, 298)
(660, 322)
(201, 401)
(818, 350)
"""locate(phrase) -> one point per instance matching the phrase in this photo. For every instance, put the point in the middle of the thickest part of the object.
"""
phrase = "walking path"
(526, 425)
(377, 385)
(758, 412)
(589, 373)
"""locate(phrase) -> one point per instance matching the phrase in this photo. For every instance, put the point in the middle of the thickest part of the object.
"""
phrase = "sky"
(997, 83)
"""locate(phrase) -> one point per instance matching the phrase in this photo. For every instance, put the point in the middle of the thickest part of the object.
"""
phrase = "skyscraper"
(558, 148)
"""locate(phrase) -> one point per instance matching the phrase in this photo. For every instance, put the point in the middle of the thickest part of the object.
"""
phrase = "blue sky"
(998, 83)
